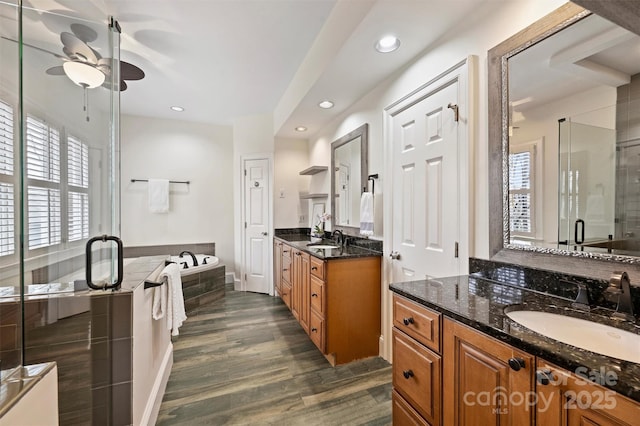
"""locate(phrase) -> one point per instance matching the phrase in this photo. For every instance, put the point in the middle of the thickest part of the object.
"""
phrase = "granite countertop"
(480, 303)
(302, 241)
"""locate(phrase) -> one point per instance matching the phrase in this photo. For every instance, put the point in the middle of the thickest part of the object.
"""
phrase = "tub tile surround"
(198, 288)
(480, 302)
(357, 247)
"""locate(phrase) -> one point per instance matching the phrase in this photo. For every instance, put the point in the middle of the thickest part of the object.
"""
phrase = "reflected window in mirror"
(566, 124)
(349, 170)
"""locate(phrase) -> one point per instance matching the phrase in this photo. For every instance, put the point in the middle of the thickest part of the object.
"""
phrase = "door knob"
(394, 255)
(265, 233)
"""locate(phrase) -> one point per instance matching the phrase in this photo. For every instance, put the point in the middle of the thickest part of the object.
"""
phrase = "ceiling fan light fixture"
(84, 75)
(387, 44)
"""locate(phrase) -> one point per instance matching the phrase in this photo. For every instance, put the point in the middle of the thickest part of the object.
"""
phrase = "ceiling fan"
(85, 66)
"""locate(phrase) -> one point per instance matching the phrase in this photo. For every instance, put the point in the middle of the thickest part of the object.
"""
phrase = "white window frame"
(9, 178)
(534, 148)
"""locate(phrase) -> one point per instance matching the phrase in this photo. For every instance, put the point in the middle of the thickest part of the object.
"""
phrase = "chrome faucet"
(619, 291)
(340, 239)
(193, 256)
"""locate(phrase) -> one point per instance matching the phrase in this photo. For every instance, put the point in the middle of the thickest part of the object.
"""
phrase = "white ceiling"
(224, 59)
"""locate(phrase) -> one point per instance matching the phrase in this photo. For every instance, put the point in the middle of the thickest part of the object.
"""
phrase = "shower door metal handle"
(89, 262)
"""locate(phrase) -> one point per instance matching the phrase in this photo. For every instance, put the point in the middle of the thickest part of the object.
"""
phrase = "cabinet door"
(566, 399)
(317, 330)
(296, 288)
(277, 267)
(486, 382)
(305, 298)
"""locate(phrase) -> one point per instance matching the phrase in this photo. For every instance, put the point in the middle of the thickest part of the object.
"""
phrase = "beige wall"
(178, 150)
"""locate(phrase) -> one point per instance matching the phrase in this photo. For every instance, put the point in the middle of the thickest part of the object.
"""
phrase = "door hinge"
(456, 250)
(245, 172)
(245, 225)
(245, 277)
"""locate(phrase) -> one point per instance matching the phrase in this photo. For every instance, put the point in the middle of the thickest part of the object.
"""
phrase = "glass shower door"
(70, 194)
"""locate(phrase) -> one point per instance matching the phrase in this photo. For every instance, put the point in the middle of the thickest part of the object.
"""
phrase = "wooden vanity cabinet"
(300, 304)
(336, 301)
(567, 399)
(480, 370)
(285, 275)
(277, 267)
(417, 364)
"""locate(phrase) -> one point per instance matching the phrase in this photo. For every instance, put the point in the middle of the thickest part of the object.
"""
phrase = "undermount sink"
(322, 246)
(588, 335)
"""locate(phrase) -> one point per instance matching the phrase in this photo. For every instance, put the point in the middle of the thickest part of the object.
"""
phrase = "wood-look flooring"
(246, 361)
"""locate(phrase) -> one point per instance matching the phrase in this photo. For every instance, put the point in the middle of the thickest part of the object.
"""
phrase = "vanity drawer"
(316, 330)
(417, 321)
(403, 412)
(317, 267)
(317, 295)
(417, 375)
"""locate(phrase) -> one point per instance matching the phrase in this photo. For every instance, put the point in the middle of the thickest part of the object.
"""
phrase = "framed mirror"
(349, 169)
(563, 134)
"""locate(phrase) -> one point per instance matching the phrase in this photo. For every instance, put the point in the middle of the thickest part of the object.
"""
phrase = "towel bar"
(151, 284)
(373, 183)
(186, 182)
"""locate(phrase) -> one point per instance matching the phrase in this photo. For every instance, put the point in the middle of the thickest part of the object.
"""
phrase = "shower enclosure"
(59, 187)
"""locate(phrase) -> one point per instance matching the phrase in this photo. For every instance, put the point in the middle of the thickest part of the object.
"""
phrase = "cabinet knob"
(314, 268)
(516, 363)
(407, 374)
(544, 376)
(314, 330)
(285, 269)
(407, 321)
(314, 295)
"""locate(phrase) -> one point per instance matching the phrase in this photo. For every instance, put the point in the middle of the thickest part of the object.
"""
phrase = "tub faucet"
(193, 256)
(619, 291)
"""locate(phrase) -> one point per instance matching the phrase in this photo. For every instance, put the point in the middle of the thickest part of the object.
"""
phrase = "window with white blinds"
(45, 226)
(78, 195)
(43, 191)
(77, 163)
(521, 185)
(43, 151)
(7, 212)
(78, 216)
(7, 207)
(6, 138)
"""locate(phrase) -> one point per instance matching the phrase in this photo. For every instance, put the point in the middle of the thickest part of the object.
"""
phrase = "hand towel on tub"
(174, 312)
(158, 195)
(366, 213)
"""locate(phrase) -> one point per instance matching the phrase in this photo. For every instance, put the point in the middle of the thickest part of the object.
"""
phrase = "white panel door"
(425, 187)
(256, 213)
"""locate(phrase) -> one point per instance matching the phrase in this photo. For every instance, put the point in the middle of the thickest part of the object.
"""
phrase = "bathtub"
(212, 262)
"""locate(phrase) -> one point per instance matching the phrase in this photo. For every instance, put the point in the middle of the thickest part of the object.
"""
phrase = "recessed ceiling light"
(326, 104)
(177, 108)
(387, 44)
(301, 129)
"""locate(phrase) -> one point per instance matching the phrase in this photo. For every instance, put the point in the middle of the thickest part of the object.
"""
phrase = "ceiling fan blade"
(130, 72)
(108, 85)
(78, 48)
(84, 33)
(58, 70)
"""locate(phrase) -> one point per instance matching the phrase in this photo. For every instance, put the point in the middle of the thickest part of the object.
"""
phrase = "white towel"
(174, 299)
(158, 195)
(159, 304)
(366, 214)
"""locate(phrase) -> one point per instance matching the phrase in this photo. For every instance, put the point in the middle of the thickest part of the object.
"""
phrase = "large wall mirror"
(349, 159)
(564, 135)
